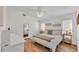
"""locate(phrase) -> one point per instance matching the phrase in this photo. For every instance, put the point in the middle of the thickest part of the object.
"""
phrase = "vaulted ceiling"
(49, 10)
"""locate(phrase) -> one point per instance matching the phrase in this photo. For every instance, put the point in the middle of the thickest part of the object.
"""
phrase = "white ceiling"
(50, 10)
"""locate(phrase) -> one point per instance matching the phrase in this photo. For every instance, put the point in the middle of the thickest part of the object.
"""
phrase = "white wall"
(1, 15)
(2, 10)
(15, 21)
(0, 26)
(59, 19)
(74, 29)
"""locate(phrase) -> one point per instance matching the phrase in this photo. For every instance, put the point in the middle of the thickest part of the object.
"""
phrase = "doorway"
(25, 31)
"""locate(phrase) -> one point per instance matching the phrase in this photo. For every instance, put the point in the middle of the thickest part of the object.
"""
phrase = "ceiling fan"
(40, 11)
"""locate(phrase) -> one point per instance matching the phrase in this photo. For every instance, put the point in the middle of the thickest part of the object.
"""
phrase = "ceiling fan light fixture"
(40, 12)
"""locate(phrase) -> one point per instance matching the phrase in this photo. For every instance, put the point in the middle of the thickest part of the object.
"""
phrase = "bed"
(49, 41)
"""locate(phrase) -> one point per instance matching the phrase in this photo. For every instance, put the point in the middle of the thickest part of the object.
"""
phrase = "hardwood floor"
(30, 46)
(64, 47)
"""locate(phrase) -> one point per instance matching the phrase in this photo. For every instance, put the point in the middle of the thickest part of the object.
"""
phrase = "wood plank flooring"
(30, 46)
(64, 47)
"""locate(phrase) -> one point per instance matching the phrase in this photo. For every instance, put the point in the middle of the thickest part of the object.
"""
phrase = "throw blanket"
(44, 37)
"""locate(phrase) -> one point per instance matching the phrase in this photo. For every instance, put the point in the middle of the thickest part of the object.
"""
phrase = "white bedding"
(52, 44)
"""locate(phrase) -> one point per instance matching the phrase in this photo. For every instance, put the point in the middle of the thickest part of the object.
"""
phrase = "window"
(43, 27)
(67, 26)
